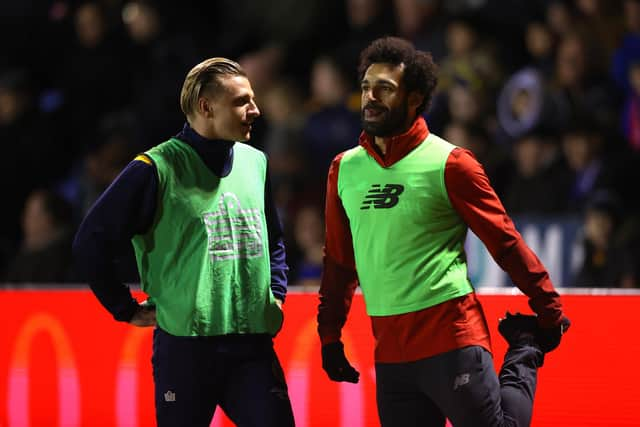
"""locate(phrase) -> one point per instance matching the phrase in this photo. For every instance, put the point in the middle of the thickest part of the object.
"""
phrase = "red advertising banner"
(65, 362)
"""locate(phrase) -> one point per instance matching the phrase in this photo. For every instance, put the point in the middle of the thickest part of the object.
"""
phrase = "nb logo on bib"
(382, 198)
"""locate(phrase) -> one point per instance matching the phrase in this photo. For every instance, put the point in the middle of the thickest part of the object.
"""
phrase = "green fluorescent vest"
(205, 260)
(407, 238)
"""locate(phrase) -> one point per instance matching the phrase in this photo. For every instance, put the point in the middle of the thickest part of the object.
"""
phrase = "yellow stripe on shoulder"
(144, 158)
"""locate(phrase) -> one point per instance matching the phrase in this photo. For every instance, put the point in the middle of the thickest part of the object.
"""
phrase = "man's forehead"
(383, 71)
(236, 85)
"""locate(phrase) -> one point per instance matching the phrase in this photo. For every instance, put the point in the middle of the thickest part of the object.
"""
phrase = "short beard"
(393, 124)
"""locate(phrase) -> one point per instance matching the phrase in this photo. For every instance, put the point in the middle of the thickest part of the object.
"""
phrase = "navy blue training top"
(128, 207)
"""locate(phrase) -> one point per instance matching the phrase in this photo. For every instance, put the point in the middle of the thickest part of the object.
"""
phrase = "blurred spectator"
(604, 263)
(628, 51)
(631, 263)
(29, 159)
(283, 143)
(270, 36)
(465, 104)
(161, 58)
(600, 23)
(540, 44)
(578, 89)
(422, 22)
(366, 21)
(309, 238)
(469, 61)
(626, 73)
(93, 75)
(582, 148)
(559, 17)
(262, 66)
(537, 170)
(524, 105)
(45, 253)
(332, 126)
(631, 110)
(628, 239)
(494, 159)
(103, 161)
(467, 79)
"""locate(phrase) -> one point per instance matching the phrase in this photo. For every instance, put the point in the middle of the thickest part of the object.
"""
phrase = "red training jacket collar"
(398, 146)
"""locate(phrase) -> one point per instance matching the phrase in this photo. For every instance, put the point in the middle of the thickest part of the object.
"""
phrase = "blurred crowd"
(545, 93)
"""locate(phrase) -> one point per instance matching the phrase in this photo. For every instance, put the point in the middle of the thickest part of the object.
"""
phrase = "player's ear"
(415, 99)
(205, 107)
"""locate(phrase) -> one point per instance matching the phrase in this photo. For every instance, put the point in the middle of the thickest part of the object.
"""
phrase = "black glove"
(549, 338)
(336, 364)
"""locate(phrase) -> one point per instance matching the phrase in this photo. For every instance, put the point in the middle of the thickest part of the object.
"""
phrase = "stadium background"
(544, 92)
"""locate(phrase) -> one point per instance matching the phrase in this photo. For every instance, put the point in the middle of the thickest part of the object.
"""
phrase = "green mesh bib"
(407, 238)
(205, 261)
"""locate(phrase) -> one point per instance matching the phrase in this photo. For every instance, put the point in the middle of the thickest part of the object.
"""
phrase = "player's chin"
(245, 133)
(371, 128)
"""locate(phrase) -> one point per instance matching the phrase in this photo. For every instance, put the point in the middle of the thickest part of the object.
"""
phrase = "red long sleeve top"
(453, 324)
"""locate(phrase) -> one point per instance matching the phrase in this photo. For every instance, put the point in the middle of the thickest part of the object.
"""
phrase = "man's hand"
(524, 329)
(549, 338)
(145, 316)
(336, 365)
(279, 303)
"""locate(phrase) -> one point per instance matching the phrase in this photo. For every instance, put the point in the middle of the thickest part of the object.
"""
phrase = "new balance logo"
(169, 396)
(382, 198)
(461, 380)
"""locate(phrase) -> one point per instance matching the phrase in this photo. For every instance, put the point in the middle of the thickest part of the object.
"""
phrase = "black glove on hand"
(549, 338)
(336, 365)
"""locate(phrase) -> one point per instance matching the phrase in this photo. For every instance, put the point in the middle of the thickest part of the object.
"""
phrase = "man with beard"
(397, 212)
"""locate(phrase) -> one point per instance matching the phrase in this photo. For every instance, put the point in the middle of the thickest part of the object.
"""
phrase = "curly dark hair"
(420, 72)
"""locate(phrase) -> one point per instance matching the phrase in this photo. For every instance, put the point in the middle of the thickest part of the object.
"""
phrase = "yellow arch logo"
(126, 392)
(18, 379)
(352, 406)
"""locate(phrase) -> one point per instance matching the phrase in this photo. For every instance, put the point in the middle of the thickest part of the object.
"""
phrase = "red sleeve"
(476, 202)
(339, 278)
